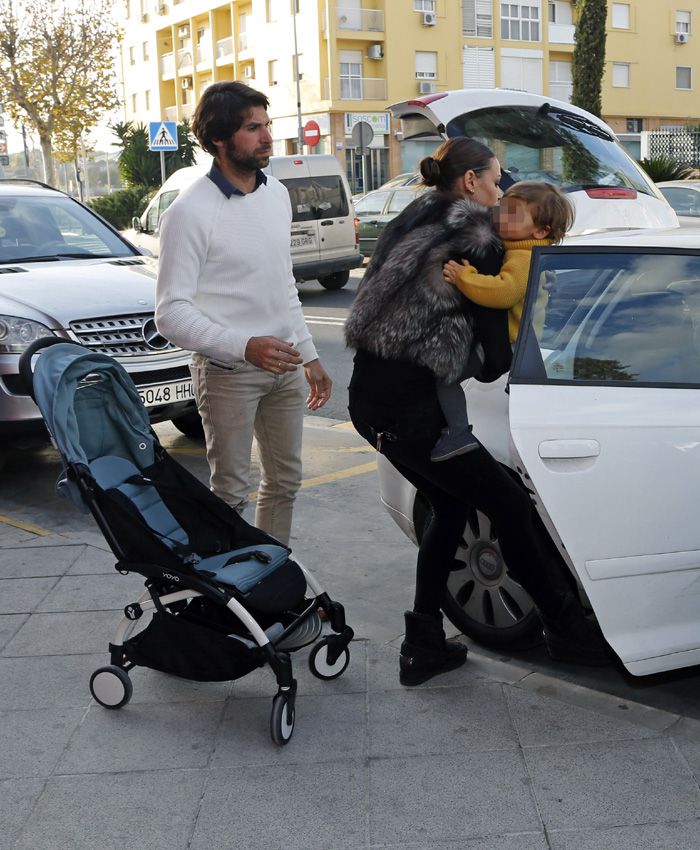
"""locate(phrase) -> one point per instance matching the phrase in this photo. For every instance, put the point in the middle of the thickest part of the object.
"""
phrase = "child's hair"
(452, 159)
(549, 207)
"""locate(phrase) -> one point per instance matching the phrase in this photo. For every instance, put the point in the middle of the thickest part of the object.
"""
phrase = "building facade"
(344, 61)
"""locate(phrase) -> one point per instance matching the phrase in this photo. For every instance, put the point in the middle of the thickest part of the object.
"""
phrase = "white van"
(325, 240)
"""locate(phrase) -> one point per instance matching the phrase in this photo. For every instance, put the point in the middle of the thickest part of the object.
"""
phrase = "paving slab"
(657, 836)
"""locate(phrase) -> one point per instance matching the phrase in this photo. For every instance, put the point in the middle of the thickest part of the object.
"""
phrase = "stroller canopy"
(91, 406)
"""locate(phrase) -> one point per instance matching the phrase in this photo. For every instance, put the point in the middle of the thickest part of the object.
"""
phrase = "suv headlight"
(17, 334)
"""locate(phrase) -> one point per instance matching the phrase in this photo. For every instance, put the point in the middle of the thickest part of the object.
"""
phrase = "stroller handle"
(26, 372)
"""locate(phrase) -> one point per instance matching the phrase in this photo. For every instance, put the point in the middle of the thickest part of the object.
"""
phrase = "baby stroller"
(225, 597)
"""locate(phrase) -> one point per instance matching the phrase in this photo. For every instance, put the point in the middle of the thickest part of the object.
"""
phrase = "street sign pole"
(162, 167)
(362, 135)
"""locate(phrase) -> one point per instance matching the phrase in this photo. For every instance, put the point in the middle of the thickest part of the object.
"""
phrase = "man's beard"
(245, 163)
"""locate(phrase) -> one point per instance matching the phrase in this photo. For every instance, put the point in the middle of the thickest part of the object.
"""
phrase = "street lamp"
(300, 129)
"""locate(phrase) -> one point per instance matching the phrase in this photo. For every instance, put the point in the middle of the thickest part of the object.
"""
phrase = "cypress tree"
(589, 55)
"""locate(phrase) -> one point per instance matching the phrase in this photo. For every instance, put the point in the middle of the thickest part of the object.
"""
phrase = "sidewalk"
(492, 756)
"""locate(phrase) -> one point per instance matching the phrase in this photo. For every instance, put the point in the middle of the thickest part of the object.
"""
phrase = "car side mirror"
(136, 224)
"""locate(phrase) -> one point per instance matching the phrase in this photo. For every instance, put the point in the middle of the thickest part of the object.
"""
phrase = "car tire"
(335, 281)
(482, 600)
(190, 425)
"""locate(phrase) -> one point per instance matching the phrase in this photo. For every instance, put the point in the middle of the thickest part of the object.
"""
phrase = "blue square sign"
(162, 135)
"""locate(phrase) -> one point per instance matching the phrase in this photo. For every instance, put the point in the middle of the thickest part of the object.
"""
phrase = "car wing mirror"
(136, 224)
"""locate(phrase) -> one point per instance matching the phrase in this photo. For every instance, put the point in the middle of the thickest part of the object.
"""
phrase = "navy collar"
(226, 186)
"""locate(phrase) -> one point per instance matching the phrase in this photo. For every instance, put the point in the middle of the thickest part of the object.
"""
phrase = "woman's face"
(483, 187)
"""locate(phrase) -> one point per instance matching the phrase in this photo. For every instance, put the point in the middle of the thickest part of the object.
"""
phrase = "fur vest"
(405, 309)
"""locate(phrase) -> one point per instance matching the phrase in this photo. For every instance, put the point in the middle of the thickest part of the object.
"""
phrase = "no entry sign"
(312, 134)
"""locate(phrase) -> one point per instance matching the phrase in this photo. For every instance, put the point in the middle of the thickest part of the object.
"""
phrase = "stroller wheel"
(111, 686)
(320, 665)
(281, 719)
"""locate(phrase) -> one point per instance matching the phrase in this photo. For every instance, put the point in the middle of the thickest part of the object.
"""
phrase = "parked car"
(601, 424)
(376, 209)
(68, 273)
(324, 239)
(539, 138)
(684, 197)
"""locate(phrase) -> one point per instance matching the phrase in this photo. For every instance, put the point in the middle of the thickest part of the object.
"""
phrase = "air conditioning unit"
(186, 82)
(429, 19)
(424, 87)
(374, 51)
(144, 18)
(162, 9)
(183, 31)
(681, 38)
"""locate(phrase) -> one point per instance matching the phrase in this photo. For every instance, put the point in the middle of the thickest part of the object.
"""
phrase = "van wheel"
(190, 425)
(335, 281)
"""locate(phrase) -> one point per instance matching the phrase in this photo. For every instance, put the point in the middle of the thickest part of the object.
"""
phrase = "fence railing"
(682, 144)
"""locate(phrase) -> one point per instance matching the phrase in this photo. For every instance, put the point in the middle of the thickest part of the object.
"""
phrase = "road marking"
(330, 477)
(25, 526)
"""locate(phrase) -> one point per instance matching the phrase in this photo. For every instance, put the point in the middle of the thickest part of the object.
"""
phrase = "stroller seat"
(240, 568)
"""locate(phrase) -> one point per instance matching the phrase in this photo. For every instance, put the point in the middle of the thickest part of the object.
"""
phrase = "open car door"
(604, 417)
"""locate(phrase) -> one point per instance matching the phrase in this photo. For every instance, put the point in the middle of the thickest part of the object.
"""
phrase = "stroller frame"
(173, 586)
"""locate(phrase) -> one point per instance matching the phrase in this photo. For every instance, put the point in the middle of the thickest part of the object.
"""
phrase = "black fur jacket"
(405, 309)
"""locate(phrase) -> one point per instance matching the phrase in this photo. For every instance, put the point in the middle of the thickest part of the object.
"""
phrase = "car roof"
(675, 237)
(19, 186)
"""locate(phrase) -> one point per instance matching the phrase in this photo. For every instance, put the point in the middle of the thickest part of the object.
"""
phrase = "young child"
(530, 214)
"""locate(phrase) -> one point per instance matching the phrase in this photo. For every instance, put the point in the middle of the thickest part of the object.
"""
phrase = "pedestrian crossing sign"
(162, 136)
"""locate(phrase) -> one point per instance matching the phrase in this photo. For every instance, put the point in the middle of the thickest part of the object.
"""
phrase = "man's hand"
(452, 270)
(319, 384)
(272, 354)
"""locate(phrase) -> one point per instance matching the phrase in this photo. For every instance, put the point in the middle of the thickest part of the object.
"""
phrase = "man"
(226, 292)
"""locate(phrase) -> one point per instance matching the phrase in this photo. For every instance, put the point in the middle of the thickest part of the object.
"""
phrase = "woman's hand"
(453, 270)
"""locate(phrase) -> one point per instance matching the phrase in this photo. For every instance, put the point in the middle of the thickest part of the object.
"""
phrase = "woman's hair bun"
(430, 171)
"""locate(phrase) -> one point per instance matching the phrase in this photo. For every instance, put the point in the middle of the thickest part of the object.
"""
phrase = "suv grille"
(118, 336)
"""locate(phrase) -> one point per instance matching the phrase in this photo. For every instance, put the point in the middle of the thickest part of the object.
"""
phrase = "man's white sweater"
(225, 272)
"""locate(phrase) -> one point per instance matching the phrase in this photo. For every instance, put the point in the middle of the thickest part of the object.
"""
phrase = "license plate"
(166, 393)
(302, 241)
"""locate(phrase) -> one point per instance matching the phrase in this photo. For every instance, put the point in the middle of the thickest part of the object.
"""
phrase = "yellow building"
(356, 56)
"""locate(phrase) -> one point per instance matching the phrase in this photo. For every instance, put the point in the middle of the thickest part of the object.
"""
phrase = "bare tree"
(57, 70)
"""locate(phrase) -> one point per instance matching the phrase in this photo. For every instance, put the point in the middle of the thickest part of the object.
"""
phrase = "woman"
(407, 329)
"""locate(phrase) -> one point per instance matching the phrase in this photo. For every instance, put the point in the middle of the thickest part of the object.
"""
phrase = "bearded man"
(227, 293)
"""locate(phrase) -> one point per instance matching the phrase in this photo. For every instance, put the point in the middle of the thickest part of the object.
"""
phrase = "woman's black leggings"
(454, 487)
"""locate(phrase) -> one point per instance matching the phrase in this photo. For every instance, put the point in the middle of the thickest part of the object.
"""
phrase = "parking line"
(25, 526)
(329, 477)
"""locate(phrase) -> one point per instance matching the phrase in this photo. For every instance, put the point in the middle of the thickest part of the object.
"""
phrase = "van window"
(317, 197)
(157, 210)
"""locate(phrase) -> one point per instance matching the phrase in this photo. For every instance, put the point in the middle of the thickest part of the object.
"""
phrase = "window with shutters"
(477, 18)
(478, 68)
(426, 65)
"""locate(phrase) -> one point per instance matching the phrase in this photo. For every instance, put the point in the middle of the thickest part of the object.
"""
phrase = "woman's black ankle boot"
(425, 652)
(571, 637)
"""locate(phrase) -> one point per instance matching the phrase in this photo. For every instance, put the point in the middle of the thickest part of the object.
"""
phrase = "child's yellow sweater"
(505, 291)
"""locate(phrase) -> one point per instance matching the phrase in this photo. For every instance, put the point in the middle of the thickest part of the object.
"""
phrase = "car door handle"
(569, 448)
(327, 223)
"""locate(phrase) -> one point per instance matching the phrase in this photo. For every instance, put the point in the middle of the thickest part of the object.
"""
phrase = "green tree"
(589, 55)
(57, 68)
(139, 166)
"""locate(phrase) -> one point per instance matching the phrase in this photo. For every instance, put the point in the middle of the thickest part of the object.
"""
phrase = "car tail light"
(609, 192)
(357, 232)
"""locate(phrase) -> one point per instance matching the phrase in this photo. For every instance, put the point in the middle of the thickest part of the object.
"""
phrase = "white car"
(684, 197)
(539, 138)
(600, 422)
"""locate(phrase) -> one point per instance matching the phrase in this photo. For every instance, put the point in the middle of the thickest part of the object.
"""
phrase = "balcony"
(359, 20)
(167, 65)
(355, 88)
(202, 55)
(561, 33)
(184, 59)
(224, 49)
(242, 41)
(170, 113)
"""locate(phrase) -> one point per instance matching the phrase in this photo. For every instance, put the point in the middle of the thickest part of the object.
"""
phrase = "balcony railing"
(202, 54)
(361, 20)
(170, 113)
(224, 47)
(242, 41)
(355, 88)
(184, 58)
(167, 65)
(561, 33)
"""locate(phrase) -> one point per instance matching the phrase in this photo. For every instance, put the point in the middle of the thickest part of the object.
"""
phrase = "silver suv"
(66, 272)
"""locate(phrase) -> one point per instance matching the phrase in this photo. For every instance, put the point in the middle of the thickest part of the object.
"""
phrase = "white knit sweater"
(225, 272)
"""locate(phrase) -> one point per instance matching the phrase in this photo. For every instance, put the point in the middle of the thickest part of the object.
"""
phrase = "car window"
(47, 226)
(684, 201)
(627, 317)
(401, 199)
(372, 203)
(314, 198)
(551, 145)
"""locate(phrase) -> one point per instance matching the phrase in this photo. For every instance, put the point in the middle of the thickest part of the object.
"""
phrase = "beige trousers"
(237, 404)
